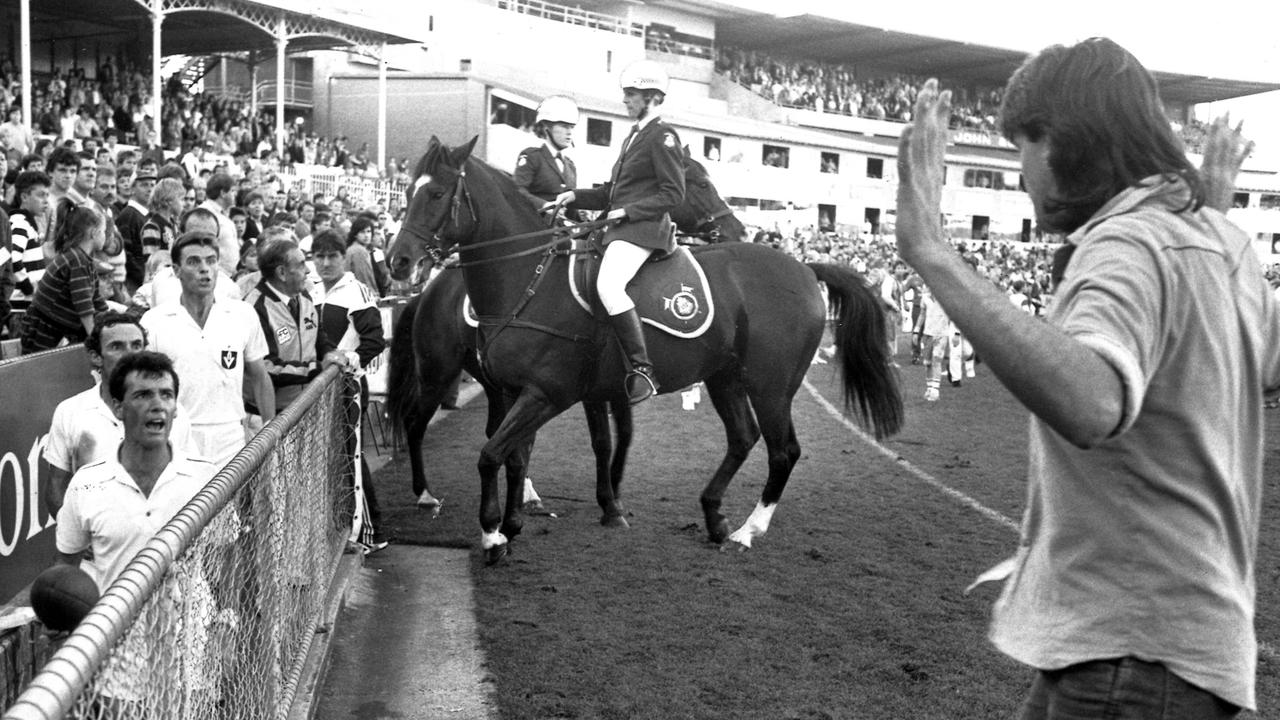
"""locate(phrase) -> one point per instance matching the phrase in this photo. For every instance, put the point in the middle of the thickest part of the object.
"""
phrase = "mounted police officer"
(544, 171)
(646, 184)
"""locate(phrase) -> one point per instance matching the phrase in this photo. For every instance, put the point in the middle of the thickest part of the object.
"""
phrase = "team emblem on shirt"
(523, 160)
(284, 335)
(229, 358)
(669, 140)
(683, 304)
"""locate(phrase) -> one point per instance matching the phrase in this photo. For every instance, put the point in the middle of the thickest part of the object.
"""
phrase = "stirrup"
(638, 393)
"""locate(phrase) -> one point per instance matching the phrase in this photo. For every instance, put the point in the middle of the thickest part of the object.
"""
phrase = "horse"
(547, 353)
(430, 348)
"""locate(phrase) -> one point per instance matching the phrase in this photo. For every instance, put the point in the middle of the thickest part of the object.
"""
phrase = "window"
(711, 148)
(599, 132)
(830, 162)
(826, 218)
(506, 112)
(776, 156)
(875, 168)
(1265, 201)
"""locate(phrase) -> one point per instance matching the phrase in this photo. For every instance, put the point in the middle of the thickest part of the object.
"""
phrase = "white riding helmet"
(558, 109)
(644, 75)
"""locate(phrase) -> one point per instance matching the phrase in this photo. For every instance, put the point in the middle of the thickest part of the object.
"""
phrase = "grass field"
(851, 607)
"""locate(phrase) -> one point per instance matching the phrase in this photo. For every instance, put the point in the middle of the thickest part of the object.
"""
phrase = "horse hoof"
(615, 521)
(431, 505)
(495, 554)
(535, 507)
(719, 532)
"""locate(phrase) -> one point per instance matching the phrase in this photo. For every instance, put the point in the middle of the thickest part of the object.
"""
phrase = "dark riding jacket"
(648, 180)
(538, 176)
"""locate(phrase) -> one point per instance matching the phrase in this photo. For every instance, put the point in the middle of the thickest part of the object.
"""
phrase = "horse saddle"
(670, 291)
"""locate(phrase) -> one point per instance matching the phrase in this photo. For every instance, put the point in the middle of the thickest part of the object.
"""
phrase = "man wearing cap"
(646, 184)
(130, 221)
(544, 171)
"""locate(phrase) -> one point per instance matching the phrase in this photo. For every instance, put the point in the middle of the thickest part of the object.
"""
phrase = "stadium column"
(282, 42)
(382, 106)
(24, 19)
(157, 20)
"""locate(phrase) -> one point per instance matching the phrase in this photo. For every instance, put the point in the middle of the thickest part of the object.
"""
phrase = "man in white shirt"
(215, 344)
(219, 197)
(85, 429)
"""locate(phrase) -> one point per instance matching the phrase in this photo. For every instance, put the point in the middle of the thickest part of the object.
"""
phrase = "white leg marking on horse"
(755, 526)
(492, 540)
(530, 495)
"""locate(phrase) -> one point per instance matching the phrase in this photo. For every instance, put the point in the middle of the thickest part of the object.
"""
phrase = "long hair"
(1101, 113)
(76, 224)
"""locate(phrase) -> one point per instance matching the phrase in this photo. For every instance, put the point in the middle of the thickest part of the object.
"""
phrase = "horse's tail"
(862, 342)
(403, 393)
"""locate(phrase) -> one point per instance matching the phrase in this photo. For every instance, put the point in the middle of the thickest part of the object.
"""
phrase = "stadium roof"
(829, 40)
(195, 27)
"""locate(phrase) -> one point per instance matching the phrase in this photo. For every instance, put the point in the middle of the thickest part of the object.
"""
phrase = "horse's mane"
(506, 184)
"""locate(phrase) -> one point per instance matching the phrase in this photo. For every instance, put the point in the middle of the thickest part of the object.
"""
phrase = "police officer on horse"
(544, 171)
(646, 184)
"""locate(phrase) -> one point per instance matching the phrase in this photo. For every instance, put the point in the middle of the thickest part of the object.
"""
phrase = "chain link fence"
(214, 618)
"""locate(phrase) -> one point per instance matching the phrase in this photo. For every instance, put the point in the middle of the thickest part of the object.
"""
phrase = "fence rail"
(214, 616)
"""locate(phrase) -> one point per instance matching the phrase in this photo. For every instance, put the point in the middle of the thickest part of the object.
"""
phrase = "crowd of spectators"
(847, 90)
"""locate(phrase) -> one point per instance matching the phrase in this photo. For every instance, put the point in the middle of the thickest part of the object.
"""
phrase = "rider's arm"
(668, 168)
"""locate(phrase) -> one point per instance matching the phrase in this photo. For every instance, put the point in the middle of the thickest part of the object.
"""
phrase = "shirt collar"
(650, 118)
(552, 149)
(1159, 188)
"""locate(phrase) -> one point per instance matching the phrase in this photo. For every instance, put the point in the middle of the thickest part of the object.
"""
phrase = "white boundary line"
(942, 487)
(1265, 649)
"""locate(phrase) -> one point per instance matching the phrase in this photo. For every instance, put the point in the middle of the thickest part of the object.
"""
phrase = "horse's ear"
(460, 154)
(433, 143)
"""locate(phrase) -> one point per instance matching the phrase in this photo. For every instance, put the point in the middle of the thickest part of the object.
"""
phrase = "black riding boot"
(639, 383)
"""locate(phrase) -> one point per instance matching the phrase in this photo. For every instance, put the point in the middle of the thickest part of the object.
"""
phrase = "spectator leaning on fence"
(349, 313)
(113, 507)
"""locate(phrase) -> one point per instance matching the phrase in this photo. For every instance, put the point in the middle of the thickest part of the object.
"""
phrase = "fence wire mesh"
(228, 595)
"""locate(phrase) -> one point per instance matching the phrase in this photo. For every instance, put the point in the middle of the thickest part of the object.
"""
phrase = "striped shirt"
(27, 253)
(67, 292)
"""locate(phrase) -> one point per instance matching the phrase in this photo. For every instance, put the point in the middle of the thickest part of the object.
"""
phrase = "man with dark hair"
(1133, 588)
(218, 200)
(62, 166)
(296, 343)
(349, 315)
(216, 343)
(85, 430)
(31, 195)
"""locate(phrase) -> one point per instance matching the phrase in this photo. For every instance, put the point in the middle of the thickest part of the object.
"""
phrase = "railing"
(361, 192)
(296, 92)
(572, 16)
(215, 616)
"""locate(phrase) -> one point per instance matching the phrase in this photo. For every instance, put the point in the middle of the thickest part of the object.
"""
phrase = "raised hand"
(921, 154)
(1224, 152)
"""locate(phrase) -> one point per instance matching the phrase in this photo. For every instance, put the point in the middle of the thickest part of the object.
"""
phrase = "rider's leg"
(620, 263)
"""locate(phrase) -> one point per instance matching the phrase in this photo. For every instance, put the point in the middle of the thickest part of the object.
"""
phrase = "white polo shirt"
(104, 509)
(209, 360)
(85, 431)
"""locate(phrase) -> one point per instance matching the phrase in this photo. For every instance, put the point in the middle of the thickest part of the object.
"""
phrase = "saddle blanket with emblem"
(670, 291)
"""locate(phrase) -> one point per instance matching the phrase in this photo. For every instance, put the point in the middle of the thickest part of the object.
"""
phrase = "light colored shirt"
(228, 241)
(1146, 545)
(210, 360)
(84, 431)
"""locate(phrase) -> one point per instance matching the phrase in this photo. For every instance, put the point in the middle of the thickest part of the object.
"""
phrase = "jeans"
(1120, 689)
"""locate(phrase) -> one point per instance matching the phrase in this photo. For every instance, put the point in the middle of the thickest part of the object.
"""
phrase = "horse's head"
(703, 211)
(433, 201)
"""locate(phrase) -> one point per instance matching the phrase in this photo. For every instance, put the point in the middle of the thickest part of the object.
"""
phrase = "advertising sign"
(33, 386)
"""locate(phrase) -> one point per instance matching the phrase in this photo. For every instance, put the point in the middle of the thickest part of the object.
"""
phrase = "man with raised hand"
(1132, 591)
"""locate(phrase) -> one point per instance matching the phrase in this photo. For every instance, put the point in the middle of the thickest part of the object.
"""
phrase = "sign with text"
(33, 387)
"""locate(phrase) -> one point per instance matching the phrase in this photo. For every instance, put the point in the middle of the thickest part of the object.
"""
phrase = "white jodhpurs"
(621, 262)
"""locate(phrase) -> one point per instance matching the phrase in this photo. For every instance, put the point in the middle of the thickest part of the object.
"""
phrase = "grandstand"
(765, 99)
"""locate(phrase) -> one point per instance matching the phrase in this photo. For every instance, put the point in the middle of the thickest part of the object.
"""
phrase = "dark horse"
(432, 345)
(548, 354)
